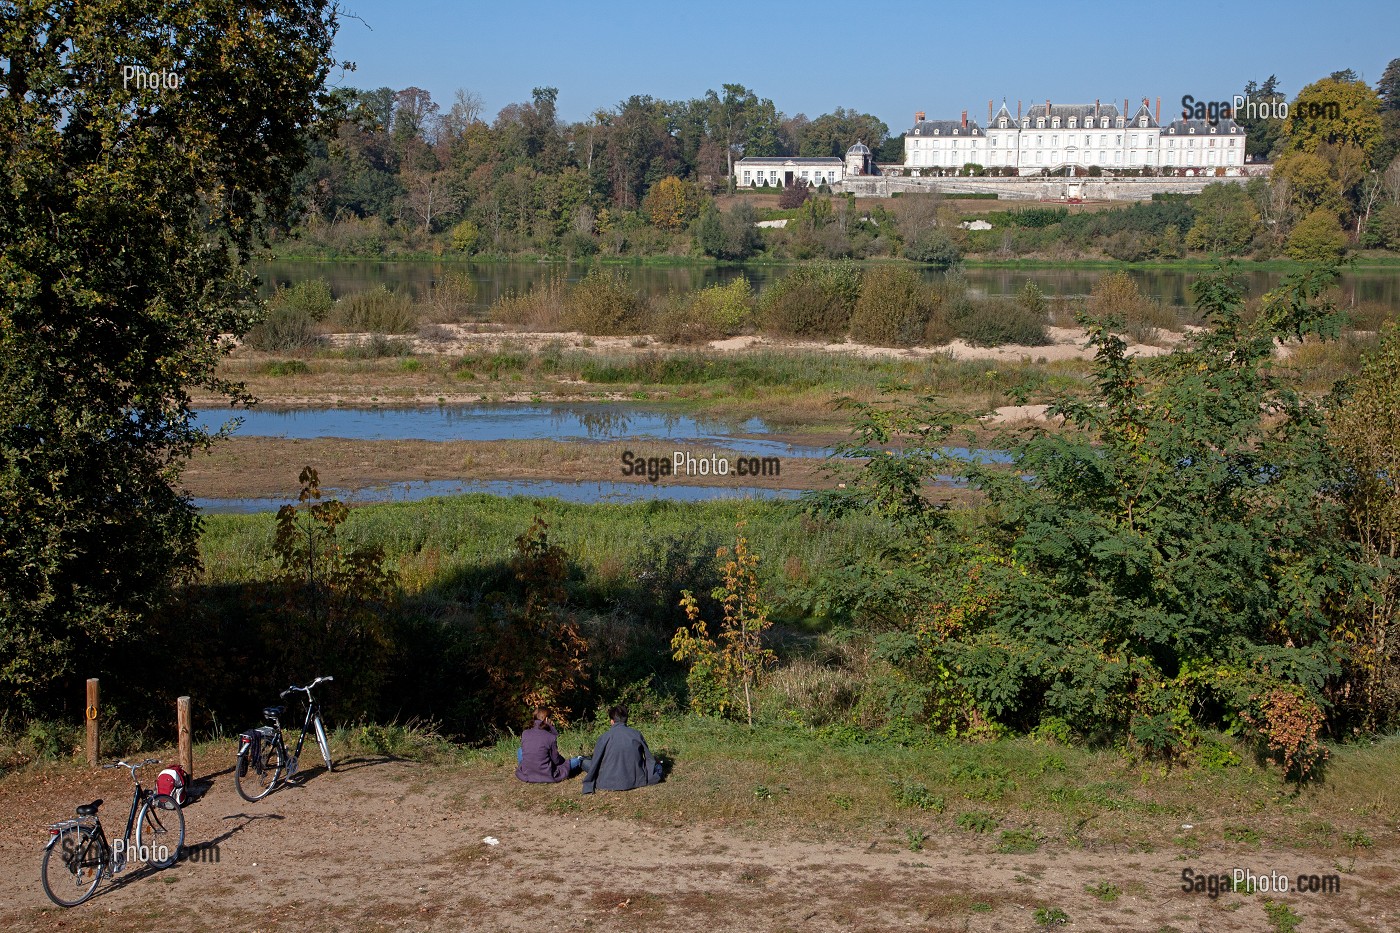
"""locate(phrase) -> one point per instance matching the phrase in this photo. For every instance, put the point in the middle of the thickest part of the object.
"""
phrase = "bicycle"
(263, 762)
(78, 855)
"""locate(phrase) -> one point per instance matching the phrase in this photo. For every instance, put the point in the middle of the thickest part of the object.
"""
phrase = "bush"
(378, 311)
(543, 307)
(284, 328)
(452, 298)
(604, 304)
(794, 195)
(812, 301)
(311, 297)
(465, 237)
(894, 308)
(995, 322)
(709, 314)
(1116, 296)
(934, 247)
(1317, 238)
(731, 236)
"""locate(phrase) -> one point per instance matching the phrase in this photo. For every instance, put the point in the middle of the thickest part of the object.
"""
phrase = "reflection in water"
(567, 491)
(583, 422)
(599, 424)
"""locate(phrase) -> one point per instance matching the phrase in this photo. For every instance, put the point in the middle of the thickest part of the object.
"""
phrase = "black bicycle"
(78, 855)
(263, 762)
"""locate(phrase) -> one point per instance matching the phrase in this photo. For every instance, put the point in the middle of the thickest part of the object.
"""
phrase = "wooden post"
(94, 747)
(182, 721)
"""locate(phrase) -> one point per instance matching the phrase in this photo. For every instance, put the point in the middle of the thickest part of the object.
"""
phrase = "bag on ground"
(172, 782)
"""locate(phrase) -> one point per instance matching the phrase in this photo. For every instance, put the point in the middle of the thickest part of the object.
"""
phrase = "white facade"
(781, 171)
(1057, 136)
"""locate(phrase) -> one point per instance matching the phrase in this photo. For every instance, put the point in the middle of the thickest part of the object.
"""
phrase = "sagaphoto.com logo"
(1241, 107)
(684, 463)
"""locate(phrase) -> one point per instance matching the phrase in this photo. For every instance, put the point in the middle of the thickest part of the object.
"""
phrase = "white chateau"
(781, 171)
(1052, 137)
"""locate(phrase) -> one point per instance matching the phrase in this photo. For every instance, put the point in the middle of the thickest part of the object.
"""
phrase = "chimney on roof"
(1096, 106)
(1018, 110)
(989, 113)
(1047, 106)
(1158, 117)
(964, 120)
(1125, 108)
(918, 117)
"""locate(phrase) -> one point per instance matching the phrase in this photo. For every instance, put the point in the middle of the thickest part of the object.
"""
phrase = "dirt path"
(384, 844)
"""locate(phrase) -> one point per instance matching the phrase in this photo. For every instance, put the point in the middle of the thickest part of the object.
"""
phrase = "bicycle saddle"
(90, 809)
(272, 712)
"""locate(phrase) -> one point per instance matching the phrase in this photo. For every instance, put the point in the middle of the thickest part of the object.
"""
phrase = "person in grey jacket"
(621, 759)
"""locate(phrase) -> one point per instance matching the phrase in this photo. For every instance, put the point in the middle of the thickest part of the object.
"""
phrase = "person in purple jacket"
(539, 758)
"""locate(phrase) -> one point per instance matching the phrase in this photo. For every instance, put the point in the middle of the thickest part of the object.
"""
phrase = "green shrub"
(310, 296)
(935, 247)
(995, 322)
(280, 368)
(378, 311)
(284, 328)
(709, 314)
(812, 301)
(894, 308)
(604, 304)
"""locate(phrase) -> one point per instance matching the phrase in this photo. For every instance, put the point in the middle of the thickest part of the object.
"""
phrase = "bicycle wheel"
(324, 744)
(255, 780)
(160, 831)
(74, 861)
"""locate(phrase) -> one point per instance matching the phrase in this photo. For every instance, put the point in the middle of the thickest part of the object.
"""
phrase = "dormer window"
(1120, 122)
(1071, 123)
(1055, 123)
(955, 132)
(1192, 131)
(1040, 124)
(1003, 124)
(935, 132)
(1142, 121)
(1212, 129)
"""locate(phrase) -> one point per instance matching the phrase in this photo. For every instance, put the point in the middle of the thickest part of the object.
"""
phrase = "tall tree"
(131, 211)
(1334, 112)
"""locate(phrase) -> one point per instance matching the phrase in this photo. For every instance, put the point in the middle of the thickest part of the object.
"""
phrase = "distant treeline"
(395, 172)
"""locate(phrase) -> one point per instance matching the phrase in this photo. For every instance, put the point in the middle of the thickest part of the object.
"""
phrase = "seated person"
(539, 758)
(621, 759)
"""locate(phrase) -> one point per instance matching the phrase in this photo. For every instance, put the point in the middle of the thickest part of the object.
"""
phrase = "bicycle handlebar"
(307, 689)
(132, 767)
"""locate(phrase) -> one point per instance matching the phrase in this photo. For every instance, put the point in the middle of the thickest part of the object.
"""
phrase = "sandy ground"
(383, 844)
(457, 339)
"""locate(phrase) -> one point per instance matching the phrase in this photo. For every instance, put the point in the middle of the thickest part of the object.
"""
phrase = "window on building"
(1142, 121)
(1003, 124)
(1040, 124)
(1071, 123)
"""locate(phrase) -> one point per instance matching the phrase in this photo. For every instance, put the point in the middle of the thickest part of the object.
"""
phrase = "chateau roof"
(791, 160)
(946, 128)
(1003, 113)
(1065, 111)
(1223, 127)
(859, 148)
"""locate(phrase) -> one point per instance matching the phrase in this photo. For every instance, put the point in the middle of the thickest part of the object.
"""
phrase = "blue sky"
(890, 60)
